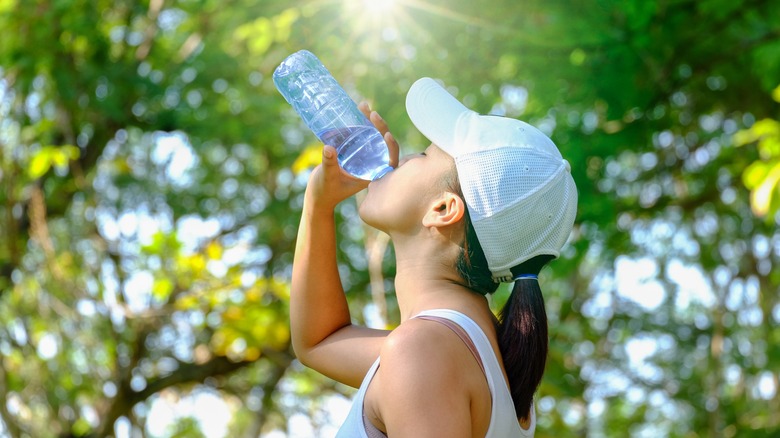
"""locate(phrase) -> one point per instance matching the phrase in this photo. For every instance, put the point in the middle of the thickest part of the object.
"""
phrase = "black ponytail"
(522, 323)
(522, 336)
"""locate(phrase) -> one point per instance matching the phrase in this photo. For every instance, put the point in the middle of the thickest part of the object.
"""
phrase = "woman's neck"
(426, 278)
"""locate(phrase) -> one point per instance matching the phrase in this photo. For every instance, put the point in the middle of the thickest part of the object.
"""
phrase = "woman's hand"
(381, 125)
(329, 184)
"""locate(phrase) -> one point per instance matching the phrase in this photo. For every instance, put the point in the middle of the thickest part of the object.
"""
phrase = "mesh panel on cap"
(496, 179)
(522, 203)
(539, 224)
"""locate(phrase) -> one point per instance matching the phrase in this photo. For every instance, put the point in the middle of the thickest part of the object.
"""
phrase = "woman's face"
(398, 201)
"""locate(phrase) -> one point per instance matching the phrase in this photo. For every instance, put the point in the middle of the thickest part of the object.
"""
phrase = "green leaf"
(48, 156)
(761, 198)
(163, 244)
(39, 164)
(760, 129)
(258, 35)
(81, 427)
(214, 250)
(7, 5)
(755, 174)
(769, 146)
(283, 23)
(577, 57)
(162, 288)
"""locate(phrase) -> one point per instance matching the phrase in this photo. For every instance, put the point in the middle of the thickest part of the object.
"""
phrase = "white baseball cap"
(518, 188)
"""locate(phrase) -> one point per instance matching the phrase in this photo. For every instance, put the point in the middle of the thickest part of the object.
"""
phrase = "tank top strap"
(503, 418)
(354, 425)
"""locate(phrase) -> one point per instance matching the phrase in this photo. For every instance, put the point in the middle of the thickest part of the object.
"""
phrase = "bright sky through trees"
(152, 178)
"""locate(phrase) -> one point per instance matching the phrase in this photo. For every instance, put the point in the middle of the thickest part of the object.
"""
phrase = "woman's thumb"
(329, 156)
(329, 159)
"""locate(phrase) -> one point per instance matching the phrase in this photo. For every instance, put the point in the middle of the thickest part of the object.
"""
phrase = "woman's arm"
(322, 333)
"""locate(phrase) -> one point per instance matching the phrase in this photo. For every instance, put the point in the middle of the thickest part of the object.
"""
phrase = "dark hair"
(522, 323)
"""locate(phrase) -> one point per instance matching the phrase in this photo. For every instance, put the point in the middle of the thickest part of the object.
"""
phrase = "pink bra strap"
(461, 334)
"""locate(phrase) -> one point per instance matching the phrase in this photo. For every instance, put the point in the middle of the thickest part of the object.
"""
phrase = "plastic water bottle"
(332, 115)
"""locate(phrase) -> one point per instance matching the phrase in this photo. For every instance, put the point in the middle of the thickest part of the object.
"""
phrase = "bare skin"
(429, 383)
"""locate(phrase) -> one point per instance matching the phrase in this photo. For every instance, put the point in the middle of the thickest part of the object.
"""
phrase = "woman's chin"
(367, 215)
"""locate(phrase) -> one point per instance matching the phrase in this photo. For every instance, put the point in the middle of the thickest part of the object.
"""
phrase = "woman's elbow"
(302, 350)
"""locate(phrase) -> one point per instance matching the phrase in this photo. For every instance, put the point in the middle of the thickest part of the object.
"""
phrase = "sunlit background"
(152, 181)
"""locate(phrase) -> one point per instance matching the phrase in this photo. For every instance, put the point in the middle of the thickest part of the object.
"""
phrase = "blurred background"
(152, 181)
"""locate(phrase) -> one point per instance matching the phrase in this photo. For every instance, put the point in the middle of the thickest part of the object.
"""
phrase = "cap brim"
(435, 113)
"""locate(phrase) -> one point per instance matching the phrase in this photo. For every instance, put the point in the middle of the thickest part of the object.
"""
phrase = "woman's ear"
(446, 210)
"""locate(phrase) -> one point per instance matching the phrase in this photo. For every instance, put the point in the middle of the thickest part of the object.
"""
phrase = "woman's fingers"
(365, 109)
(392, 148)
(379, 123)
(374, 117)
(329, 159)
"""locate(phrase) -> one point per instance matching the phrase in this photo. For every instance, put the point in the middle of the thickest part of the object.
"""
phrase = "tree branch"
(269, 389)
(126, 397)
(11, 426)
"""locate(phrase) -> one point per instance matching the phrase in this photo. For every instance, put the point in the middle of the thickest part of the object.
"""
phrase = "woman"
(490, 200)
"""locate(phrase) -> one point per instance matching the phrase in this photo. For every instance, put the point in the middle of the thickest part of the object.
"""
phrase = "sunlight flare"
(378, 7)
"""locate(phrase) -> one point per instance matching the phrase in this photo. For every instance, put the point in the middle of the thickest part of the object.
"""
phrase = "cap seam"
(508, 267)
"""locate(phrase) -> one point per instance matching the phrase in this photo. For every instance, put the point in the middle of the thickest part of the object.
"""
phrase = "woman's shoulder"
(414, 335)
(424, 344)
(427, 377)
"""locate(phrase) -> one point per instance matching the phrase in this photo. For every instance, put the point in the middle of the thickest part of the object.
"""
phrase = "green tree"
(152, 180)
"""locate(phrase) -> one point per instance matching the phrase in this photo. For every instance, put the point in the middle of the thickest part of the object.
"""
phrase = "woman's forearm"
(318, 307)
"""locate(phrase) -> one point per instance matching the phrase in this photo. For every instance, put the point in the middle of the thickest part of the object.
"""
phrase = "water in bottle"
(332, 115)
(362, 147)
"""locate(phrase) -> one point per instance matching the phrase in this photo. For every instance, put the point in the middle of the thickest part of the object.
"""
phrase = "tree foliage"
(152, 180)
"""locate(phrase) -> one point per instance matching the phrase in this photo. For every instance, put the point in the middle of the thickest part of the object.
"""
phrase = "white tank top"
(503, 419)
